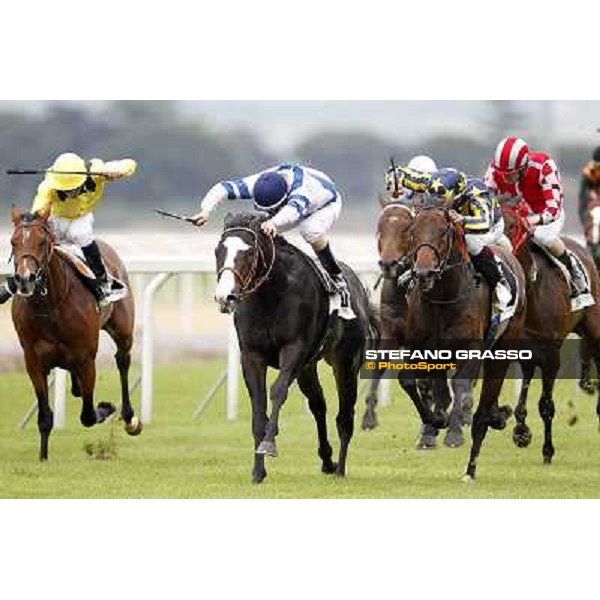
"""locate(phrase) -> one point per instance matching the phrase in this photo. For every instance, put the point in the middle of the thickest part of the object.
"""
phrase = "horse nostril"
(31, 278)
(232, 298)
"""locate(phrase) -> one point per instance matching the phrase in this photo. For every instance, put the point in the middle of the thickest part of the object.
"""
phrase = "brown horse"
(549, 321)
(393, 229)
(58, 323)
(450, 304)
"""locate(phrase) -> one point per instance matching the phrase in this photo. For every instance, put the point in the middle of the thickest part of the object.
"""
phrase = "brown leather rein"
(252, 281)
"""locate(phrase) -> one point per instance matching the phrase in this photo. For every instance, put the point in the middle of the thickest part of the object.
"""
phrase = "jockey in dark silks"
(475, 209)
(293, 196)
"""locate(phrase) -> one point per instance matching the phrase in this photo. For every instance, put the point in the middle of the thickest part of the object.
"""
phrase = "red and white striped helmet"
(511, 154)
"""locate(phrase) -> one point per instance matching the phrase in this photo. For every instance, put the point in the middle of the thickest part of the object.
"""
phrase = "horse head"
(32, 245)
(433, 237)
(392, 237)
(240, 257)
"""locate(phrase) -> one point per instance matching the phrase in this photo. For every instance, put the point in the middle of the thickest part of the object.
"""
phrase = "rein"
(444, 264)
(252, 281)
(522, 230)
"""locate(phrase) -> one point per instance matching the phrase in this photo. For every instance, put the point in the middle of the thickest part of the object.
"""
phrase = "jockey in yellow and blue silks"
(474, 208)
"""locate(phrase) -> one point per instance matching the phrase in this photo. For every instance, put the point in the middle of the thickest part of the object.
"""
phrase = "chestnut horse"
(549, 321)
(393, 248)
(450, 304)
(58, 323)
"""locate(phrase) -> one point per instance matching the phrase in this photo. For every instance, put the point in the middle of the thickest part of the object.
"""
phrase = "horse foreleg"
(521, 432)
(254, 369)
(45, 419)
(309, 384)
(428, 417)
(428, 435)
(369, 420)
(454, 437)
(290, 359)
(546, 403)
(488, 413)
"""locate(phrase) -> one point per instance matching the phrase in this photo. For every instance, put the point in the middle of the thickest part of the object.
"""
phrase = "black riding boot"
(486, 264)
(94, 260)
(578, 284)
(7, 290)
(332, 267)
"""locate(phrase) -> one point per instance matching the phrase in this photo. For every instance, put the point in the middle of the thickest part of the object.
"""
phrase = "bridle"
(443, 264)
(252, 280)
(522, 230)
(41, 279)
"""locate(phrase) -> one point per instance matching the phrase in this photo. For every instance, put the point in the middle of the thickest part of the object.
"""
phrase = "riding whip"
(44, 171)
(171, 215)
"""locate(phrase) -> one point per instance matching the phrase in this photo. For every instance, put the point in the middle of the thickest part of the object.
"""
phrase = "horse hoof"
(521, 435)
(454, 439)
(547, 460)
(499, 417)
(426, 442)
(259, 477)
(329, 468)
(468, 479)
(440, 420)
(587, 386)
(134, 427)
(104, 410)
(369, 421)
(339, 471)
(267, 447)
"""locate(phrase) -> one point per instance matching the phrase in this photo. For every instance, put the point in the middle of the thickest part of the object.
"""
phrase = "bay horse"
(449, 303)
(549, 321)
(58, 323)
(393, 228)
(281, 315)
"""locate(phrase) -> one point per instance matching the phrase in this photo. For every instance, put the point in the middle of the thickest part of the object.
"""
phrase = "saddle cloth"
(74, 256)
(582, 300)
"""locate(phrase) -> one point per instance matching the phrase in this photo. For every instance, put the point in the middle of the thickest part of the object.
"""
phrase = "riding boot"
(331, 265)
(486, 264)
(94, 260)
(578, 283)
(7, 290)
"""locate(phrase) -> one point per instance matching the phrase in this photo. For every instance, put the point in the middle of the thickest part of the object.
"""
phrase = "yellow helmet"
(62, 181)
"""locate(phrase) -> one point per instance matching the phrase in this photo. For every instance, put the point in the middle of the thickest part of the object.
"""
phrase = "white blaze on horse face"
(226, 283)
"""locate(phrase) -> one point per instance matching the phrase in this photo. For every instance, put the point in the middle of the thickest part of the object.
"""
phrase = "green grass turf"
(177, 457)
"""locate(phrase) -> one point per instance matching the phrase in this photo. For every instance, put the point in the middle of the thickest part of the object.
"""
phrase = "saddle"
(74, 257)
(582, 300)
(499, 321)
(337, 313)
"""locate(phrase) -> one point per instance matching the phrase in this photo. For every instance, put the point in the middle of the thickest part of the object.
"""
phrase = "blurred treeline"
(180, 157)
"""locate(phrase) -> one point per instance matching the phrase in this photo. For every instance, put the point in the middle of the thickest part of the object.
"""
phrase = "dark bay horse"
(281, 313)
(450, 303)
(549, 321)
(58, 324)
(393, 242)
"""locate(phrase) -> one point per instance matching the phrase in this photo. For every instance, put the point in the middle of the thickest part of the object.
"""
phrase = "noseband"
(253, 280)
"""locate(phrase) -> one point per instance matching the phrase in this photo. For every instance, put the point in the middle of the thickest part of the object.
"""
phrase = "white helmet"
(423, 163)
